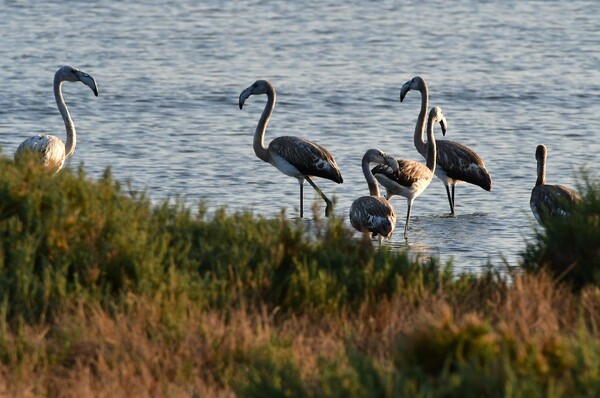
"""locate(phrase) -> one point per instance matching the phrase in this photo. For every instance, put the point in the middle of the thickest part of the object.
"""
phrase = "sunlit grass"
(104, 294)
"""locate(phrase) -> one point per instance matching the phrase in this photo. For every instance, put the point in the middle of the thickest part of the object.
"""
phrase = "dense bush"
(104, 294)
(64, 237)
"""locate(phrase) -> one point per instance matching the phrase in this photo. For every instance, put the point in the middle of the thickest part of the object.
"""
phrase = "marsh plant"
(104, 294)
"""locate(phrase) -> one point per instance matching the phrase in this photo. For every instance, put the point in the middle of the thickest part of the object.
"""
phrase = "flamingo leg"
(329, 205)
(301, 199)
(450, 199)
(453, 202)
(407, 218)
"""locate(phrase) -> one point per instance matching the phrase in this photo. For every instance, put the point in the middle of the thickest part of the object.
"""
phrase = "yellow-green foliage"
(104, 294)
(63, 237)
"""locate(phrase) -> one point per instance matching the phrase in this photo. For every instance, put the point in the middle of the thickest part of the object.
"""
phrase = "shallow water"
(508, 76)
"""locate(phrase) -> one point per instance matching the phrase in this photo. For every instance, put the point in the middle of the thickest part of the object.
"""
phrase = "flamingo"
(293, 156)
(373, 213)
(52, 151)
(413, 177)
(548, 201)
(456, 163)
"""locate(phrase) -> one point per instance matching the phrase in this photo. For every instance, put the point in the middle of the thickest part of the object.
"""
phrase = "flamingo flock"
(297, 157)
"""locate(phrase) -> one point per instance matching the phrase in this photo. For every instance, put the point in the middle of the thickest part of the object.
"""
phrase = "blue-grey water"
(508, 75)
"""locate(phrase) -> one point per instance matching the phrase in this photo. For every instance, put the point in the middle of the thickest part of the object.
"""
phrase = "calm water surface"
(508, 76)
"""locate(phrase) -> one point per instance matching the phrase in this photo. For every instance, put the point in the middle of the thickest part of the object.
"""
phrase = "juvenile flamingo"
(293, 156)
(456, 163)
(413, 177)
(549, 201)
(373, 213)
(53, 152)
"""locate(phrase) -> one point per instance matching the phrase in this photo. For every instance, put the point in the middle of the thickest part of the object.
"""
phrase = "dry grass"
(144, 350)
(103, 294)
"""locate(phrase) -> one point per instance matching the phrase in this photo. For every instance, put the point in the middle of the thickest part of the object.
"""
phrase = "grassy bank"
(103, 294)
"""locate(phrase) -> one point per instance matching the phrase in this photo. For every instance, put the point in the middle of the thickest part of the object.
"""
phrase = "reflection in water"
(439, 235)
(415, 249)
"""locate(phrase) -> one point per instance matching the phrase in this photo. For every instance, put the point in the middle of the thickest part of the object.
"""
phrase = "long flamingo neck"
(259, 134)
(431, 145)
(419, 137)
(64, 112)
(371, 181)
(541, 172)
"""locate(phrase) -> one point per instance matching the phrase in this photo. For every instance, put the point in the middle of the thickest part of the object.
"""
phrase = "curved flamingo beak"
(444, 125)
(405, 89)
(390, 161)
(88, 80)
(245, 94)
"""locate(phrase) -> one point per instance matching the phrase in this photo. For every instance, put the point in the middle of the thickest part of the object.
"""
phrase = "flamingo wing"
(460, 163)
(552, 201)
(308, 157)
(409, 172)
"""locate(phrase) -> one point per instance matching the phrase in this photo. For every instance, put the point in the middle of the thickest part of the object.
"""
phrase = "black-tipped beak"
(405, 89)
(393, 163)
(444, 125)
(244, 96)
(88, 80)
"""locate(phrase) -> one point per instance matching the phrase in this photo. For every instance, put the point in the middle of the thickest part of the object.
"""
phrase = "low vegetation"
(104, 294)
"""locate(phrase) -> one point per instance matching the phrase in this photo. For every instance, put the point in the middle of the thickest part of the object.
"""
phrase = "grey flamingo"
(548, 201)
(413, 177)
(456, 163)
(373, 213)
(293, 156)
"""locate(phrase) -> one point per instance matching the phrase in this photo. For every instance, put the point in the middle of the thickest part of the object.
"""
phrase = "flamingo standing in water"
(293, 156)
(456, 163)
(413, 177)
(373, 213)
(52, 151)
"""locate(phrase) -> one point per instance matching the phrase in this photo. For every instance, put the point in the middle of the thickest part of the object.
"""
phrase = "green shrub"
(96, 281)
(269, 372)
(62, 234)
(65, 237)
(469, 358)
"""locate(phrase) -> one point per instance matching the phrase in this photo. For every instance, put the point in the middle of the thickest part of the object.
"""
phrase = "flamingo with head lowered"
(374, 214)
